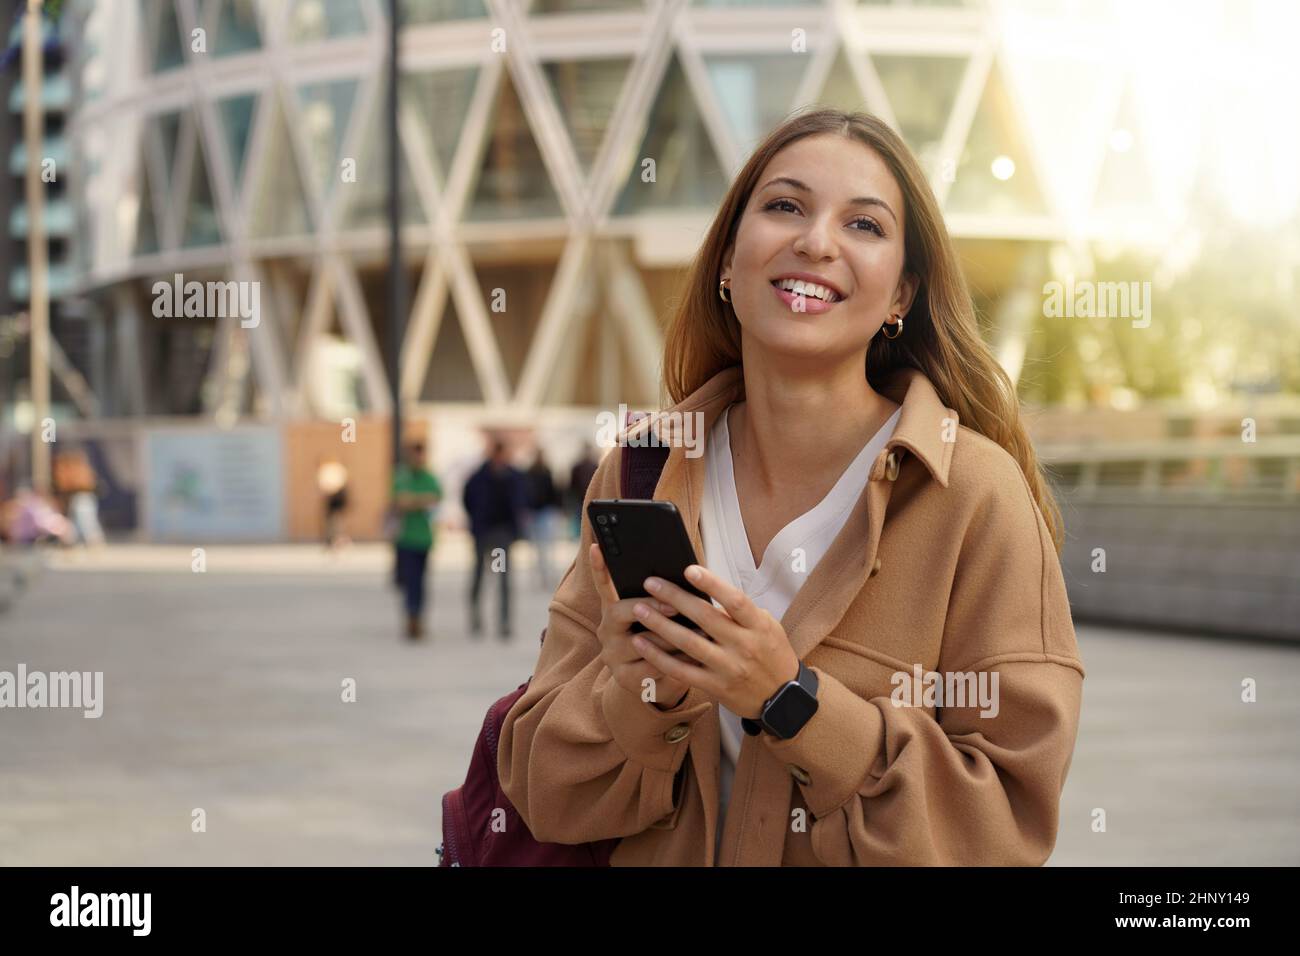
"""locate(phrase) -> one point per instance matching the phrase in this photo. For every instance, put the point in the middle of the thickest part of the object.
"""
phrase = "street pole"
(37, 255)
(396, 292)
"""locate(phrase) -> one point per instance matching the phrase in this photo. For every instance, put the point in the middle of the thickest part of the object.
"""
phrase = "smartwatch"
(786, 711)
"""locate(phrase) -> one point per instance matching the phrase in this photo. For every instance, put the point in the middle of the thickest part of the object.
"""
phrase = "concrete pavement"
(223, 691)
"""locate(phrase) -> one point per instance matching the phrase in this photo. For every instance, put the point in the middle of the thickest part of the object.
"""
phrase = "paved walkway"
(223, 692)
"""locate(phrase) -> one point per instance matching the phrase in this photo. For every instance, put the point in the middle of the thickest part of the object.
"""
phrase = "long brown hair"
(942, 338)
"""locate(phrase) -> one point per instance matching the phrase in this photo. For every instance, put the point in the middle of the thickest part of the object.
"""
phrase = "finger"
(621, 611)
(600, 574)
(696, 645)
(661, 642)
(619, 614)
(692, 675)
(733, 600)
(712, 620)
(658, 641)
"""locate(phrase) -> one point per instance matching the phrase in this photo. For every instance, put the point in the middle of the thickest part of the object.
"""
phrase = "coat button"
(891, 466)
(677, 733)
(875, 568)
(800, 774)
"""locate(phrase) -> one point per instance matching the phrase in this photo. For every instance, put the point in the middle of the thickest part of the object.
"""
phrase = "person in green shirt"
(415, 493)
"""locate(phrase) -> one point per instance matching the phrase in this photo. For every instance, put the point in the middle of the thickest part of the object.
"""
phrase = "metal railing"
(1196, 535)
(1178, 468)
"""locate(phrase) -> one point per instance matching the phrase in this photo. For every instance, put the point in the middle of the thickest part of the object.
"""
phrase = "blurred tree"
(1224, 320)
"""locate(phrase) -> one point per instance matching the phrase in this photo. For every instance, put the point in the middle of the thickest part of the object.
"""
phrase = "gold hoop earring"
(722, 290)
(897, 325)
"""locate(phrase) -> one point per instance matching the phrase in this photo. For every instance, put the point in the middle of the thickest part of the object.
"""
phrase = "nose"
(816, 241)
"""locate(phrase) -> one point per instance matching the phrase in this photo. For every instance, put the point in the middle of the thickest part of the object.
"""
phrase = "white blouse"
(788, 560)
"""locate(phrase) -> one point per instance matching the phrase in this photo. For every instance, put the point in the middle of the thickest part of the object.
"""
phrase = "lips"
(814, 286)
(806, 304)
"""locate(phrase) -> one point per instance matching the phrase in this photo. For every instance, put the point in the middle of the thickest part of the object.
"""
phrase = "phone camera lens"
(601, 519)
(613, 519)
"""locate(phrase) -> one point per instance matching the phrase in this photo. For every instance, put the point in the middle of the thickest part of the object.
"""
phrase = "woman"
(863, 536)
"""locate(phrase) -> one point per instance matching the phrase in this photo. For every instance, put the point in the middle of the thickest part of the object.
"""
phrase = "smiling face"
(827, 209)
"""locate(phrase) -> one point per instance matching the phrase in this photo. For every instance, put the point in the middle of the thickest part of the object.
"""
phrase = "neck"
(804, 422)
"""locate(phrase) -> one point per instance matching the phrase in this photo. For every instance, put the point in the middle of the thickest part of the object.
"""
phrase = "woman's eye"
(786, 205)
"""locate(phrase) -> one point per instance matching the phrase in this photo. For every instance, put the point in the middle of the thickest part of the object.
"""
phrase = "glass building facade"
(244, 140)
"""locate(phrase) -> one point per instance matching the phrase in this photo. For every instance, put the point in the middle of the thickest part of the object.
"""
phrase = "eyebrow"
(855, 201)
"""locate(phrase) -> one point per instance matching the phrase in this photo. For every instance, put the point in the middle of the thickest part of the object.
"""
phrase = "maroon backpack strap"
(640, 470)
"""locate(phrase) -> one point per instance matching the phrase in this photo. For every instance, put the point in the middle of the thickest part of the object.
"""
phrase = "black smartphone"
(639, 539)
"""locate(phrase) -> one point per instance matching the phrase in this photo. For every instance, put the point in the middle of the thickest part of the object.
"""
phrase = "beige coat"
(946, 563)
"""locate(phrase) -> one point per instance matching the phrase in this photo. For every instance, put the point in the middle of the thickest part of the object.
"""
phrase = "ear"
(908, 283)
(726, 262)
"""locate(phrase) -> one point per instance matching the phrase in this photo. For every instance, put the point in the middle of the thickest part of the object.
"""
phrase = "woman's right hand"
(625, 663)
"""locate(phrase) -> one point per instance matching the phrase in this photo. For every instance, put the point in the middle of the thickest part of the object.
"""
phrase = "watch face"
(793, 707)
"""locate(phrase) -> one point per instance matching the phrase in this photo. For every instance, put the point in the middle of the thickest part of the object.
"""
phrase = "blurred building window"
(756, 90)
(167, 131)
(237, 30)
(366, 200)
(439, 102)
(687, 174)
(200, 226)
(236, 113)
(334, 381)
(1124, 186)
(176, 355)
(587, 92)
(450, 376)
(146, 228)
(921, 92)
(325, 109)
(513, 181)
(161, 24)
(995, 175)
(321, 19)
(280, 204)
(433, 11)
(841, 90)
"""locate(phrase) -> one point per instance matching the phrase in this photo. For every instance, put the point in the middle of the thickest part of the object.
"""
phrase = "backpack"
(468, 837)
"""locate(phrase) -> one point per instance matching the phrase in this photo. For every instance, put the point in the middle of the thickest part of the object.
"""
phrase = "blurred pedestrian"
(416, 493)
(496, 501)
(543, 514)
(332, 482)
(75, 486)
(34, 520)
(579, 479)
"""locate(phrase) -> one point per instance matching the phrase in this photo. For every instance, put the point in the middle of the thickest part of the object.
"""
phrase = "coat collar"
(926, 428)
(844, 569)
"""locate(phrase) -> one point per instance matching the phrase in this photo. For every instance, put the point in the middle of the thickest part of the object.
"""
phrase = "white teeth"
(800, 287)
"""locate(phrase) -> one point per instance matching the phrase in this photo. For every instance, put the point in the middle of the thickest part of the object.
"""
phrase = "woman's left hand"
(749, 658)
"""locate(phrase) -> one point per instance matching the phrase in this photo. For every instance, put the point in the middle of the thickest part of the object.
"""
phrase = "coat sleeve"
(581, 758)
(894, 785)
